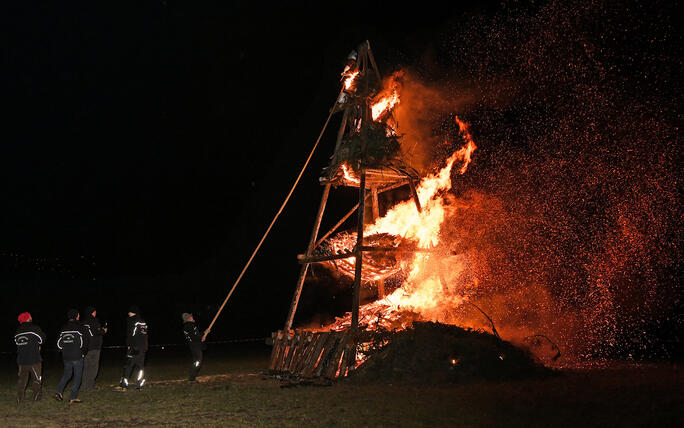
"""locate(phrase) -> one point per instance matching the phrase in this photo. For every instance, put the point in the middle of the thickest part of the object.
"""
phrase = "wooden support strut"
(372, 61)
(309, 250)
(359, 257)
(376, 214)
(414, 194)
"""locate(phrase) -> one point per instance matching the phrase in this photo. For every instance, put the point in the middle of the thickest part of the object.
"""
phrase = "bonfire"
(406, 244)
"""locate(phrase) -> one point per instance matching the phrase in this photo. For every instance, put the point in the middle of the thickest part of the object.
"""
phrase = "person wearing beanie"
(195, 342)
(91, 362)
(136, 342)
(29, 338)
(73, 342)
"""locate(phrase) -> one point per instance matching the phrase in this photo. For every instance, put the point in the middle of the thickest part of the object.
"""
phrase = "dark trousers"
(74, 368)
(91, 365)
(134, 359)
(196, 352)
(33, 371)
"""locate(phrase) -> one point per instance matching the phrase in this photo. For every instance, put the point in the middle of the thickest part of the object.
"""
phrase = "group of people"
(80, 342)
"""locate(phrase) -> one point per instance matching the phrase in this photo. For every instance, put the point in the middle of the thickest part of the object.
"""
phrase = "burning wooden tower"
(366, 156)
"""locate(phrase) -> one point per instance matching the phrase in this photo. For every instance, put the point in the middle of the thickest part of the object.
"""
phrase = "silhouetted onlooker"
(73, 342)
(91, 362)
(29, 338)
(136, 341)
(195, 342)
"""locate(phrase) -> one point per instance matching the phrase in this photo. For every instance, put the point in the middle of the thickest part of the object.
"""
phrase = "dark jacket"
(136, 337)
(28, 338)
(192, 334)
(73, 340)
(95, 333)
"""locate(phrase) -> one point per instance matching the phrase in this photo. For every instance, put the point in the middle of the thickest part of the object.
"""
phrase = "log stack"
(307, 354)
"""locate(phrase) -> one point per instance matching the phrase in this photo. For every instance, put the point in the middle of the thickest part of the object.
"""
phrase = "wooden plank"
(327, 349)
(349, 359)
(359, 252)
(306, 349)
(276, 336)
(294, 344)
(310, 364)
(280, 350)
(333, 365)
(286, 350)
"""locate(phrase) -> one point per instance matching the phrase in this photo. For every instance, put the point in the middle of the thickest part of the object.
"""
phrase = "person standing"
(195, 342)
(29, 338)
(73, 342)
(136, 341)
(91, 362)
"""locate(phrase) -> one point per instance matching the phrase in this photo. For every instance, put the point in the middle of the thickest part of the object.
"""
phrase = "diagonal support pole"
(309, 250)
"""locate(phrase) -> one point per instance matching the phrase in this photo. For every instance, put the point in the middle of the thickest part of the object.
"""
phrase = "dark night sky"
(146, 148)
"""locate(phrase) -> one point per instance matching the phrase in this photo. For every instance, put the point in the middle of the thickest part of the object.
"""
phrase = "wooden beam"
(376, 214)
(372, 61)
(376, 208)
(309, 250)
(414, 194)
(304, 259)
(340, 134)
(359, 256)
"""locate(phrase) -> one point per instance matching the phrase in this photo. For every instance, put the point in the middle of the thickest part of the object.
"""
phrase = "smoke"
(419, 114)
(569, 216)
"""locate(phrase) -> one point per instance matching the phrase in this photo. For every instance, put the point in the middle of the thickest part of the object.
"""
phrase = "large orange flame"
(349, 80)
(437, 280)
(348, 174)
(388, 98)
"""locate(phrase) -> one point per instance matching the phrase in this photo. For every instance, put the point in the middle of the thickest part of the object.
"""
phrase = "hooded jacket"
(95, 332)
(28, 339)
(137, 333)
(73, 340)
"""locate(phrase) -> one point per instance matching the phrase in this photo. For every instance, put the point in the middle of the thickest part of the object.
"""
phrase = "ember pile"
(437, 353)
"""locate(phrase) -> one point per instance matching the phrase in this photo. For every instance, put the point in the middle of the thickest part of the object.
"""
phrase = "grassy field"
(234, 392)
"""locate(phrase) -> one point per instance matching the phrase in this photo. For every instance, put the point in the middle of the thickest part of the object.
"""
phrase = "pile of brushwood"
(438, 353)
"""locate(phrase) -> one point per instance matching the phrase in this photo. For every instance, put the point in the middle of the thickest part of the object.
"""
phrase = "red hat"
(23, 317)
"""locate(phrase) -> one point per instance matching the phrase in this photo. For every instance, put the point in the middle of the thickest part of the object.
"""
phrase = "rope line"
(268, 230)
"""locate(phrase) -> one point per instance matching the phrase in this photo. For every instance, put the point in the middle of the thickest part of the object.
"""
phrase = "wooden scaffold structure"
(361, 159)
